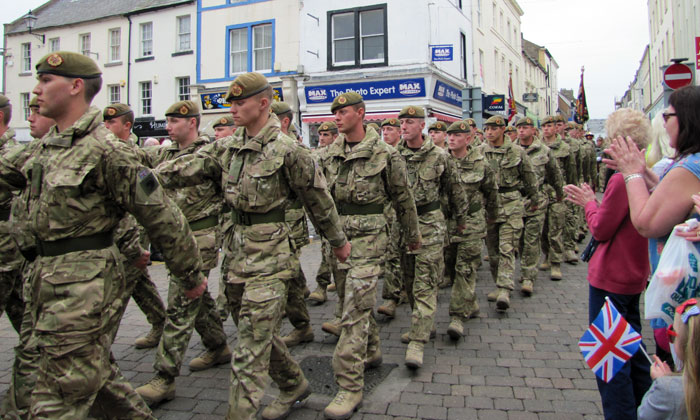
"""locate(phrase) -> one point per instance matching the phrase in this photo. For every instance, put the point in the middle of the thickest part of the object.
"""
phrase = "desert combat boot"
(210, 359)
(298, 336)
(160, 388)
(286, 400)
(343, 405)
(151, 339)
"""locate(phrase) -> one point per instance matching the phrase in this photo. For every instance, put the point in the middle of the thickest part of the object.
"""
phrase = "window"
(146, 31)
(84, 44)
(145, 93)
(183, 33)
(495, 16)
(459, 3)
(478, 12)
(183, 88)
(463, 55)
(54, 44)
(251, 48)
(25, 105)
(510, 41)
(115, 94)
(115, 41)
(357, 37)
(27, 56)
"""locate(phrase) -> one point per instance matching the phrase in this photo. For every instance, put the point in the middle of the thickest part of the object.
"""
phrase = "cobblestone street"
(522, 365)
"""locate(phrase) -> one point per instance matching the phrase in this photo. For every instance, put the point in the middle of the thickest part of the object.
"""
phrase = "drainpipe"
(128, 66)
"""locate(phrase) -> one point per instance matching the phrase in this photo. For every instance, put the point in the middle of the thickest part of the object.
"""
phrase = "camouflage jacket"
(296, 217)
(575, 150)
(9, 255)
(567, 164)
(515, 177)
(371, 172)
(549, 179)
(590, 167)
(479, 182)
(258, 175)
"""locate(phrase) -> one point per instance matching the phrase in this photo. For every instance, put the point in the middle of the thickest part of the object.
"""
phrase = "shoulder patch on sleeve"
(147, 181)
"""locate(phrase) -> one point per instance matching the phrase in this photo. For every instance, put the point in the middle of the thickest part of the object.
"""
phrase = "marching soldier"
(571, 220)
(224, 127)
(516, 182)
(438, 134)
(512, 132)
(549, 186)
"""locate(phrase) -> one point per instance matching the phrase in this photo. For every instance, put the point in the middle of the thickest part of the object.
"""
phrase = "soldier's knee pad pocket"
(265, 305)
(365, 286)
(78, 382)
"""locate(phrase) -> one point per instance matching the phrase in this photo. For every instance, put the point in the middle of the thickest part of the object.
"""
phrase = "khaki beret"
(412, 111)
(478, 131)
(225, 121)
(245, 86)
(392, 122)
(4, 101)
(183, 109)
(34, 103)
(68, 64)
(328, 126)
(459, 127)
(510, 128)
(549, 119)
(496, 120)
(524, 121)
(560, 118)
(470, 121)
(570, 125)
(280, 108)
(373, 125)
(438, 125)
(115, 110)
(346, 99)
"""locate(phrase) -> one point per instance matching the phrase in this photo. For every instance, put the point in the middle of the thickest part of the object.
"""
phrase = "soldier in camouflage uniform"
(261, 173)
(464, 253)
(77, 278)
(327, 133)
(512, 133)
(432, 175)
(438, 134)
(571, 220)
(592, 161)
(119, 118)
(553, 230)
(517, 185)
(549, 184)
(201, 205)
(364, 175)
(393, 290)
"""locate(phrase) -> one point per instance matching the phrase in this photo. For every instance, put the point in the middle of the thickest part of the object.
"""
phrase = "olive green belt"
(83, 243)
(249, 219)
(4, 215)
(351, 209)
(426, 208)
(204, 223)
(508, 189)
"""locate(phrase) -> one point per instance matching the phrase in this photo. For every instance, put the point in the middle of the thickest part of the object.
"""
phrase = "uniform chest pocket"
(368, 182)
(261, 182)
(510, 172)
(471, 175)
(539, 159)
(430, 171)
(70, 195)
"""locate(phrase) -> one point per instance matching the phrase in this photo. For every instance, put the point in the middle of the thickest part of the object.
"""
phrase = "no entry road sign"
(678, 75)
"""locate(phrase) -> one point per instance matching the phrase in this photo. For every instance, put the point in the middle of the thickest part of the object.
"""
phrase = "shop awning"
(370, 116)
(443, 116)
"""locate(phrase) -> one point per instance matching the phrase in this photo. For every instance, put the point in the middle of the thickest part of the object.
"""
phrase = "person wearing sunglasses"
(674, 396)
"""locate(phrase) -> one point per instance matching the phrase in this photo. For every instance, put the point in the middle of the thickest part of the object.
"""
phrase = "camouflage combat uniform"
(516, 181)
(464, 253)
(393, 286)
(571, 221)
(201, 205)
(549, 184)
(260, 178)
(431, 174)
(80, 183)
(363, 180)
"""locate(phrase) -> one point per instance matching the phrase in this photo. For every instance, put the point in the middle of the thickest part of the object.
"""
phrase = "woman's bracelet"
(630, 177)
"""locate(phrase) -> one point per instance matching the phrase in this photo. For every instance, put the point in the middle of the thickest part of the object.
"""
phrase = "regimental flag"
(609, 342)
(511, 100)
(581, 109)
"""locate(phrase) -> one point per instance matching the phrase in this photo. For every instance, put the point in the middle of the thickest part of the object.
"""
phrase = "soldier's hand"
(142, 262)
(198, 290)
(342, 253)
(414, 245)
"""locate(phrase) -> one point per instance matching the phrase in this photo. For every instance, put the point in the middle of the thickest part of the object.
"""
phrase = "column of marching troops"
(79, 201)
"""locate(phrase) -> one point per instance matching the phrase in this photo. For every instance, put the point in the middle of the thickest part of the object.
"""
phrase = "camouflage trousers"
(501, 240)
(570, 227)
(323, 276)
(553, 231)
(11, 302)
(359, 334)
(530, 249)
(297, 312)
(146, 295)
(23, 379)
(223, 308)
(183, 316)
(259, 351)
(393, 275)
(464, 258)
(422, 274)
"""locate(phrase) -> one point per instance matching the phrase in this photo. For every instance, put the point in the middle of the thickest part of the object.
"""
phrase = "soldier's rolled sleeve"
(529, 179)
(553, 175)
(458, 197)
(11, 178)
(137, 189)
(128, 239)
(193, 169)
(309, 184)
(489, 188)
(404, 203)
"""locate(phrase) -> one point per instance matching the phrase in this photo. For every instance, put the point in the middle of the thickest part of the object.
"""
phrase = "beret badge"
(54, 60)
(183, 110)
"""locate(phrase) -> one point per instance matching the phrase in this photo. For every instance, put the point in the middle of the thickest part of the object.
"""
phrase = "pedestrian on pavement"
(618, 268)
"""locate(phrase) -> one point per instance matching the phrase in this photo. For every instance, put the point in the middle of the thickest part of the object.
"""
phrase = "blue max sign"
(216, 100)
(370, 91)
(446, 93)
(441, 52)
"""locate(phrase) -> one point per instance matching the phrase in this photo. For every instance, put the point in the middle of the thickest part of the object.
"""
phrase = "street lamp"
(30, 21)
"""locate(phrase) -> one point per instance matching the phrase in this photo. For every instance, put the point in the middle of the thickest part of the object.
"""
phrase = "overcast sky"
(606, 36)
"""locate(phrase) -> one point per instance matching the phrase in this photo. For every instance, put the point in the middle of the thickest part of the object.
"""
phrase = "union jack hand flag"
(609, 342)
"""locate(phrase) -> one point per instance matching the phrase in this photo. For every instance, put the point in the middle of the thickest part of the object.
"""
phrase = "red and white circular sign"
(678, 75)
